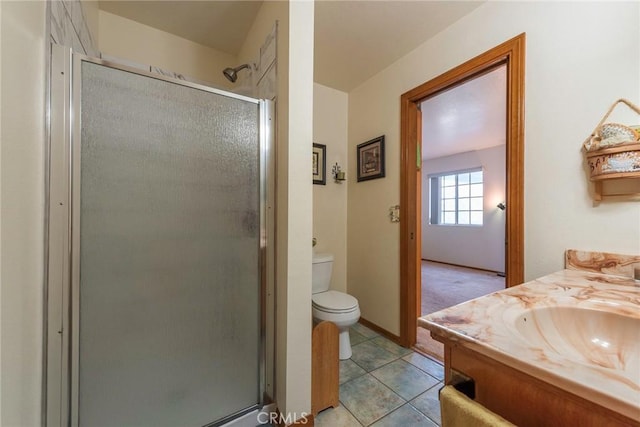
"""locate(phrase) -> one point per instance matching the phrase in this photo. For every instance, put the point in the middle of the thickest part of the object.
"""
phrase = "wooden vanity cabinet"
(521, 398)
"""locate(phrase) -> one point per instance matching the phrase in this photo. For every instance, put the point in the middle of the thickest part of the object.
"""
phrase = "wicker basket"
(617, 155)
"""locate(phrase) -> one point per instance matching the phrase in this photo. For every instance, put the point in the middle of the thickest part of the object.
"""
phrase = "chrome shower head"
(232, 73)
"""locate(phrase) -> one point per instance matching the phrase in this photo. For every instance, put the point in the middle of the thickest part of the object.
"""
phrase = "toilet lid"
(334, 301)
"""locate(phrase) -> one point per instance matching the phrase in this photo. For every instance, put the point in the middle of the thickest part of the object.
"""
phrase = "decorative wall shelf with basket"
(613, 152)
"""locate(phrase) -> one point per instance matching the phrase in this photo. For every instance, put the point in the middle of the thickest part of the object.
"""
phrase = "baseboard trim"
(381, 331)
(465, 266)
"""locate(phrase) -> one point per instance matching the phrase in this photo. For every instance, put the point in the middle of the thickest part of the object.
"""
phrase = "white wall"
(74, 24)
(471, 246)
(294, 132)
(330, 112)
(300, 207)
(23, 39)
(123, 38)
(574, 71)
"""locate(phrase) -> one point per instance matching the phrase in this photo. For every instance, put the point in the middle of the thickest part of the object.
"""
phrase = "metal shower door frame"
(61, 341)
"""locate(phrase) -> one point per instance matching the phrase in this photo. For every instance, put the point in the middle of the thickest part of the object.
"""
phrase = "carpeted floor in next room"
(445, 285)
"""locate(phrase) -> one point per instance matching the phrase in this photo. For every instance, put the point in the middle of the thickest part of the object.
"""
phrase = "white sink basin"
(593, 337)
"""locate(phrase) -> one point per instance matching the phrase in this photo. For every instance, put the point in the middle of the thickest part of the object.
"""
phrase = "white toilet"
(337, 307)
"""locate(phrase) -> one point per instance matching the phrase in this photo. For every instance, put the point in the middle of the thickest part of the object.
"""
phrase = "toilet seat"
(334, 302)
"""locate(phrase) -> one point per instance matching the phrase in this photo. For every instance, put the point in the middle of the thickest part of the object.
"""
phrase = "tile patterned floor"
(385, 385)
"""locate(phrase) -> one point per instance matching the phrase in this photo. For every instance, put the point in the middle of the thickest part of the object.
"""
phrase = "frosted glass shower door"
(168, 298)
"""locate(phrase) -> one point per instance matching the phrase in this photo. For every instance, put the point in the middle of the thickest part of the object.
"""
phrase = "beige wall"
(127, 39)
(23, 40)
(300, 206)
(330, 112)
(91, 11)
(573, 74)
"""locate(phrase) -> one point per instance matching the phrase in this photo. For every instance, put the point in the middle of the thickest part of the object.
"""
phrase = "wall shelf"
(621, 188)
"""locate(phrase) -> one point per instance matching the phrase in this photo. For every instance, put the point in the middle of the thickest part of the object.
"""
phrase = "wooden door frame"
(511, 53)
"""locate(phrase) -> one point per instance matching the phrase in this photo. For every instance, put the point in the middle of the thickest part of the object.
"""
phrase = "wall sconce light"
(501, 206)
(338, 175)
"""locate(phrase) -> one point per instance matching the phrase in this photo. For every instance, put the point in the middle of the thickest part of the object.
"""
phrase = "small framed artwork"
(371, 159)
(319, 164)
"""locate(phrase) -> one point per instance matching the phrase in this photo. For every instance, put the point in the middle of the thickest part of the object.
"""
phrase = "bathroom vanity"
(563, 349)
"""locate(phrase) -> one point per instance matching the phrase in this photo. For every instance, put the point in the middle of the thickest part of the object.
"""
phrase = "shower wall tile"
(153, 69)
(267, 86)
(74, 10)
(72, 7)
(61, 28)
(76, 44)
(264, 77)
(69, 27)
(179, 76)
(267, 53)
(168, 73)
(86, 39)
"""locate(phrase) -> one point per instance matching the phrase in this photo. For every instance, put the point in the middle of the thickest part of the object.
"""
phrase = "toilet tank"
(321, 272)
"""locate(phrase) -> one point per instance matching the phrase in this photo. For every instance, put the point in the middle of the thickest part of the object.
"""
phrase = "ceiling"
(471, 116)
(222, 25)
(354, 40)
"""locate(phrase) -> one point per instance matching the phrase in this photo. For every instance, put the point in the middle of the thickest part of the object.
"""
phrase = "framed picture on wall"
(370, 157)
(319, 164)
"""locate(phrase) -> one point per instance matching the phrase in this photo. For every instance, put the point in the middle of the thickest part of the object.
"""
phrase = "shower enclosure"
(157, 248)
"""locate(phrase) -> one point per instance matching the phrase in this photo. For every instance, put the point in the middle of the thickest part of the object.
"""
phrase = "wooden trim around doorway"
(511, 53)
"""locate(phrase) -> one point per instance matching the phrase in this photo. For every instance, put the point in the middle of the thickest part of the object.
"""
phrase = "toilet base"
(343, 321)
(345, 344)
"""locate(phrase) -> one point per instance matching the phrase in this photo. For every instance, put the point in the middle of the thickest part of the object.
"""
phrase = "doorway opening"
(463, 186)
(509, 55)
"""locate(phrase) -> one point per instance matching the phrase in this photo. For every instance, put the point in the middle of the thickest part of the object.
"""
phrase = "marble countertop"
(602, 369)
